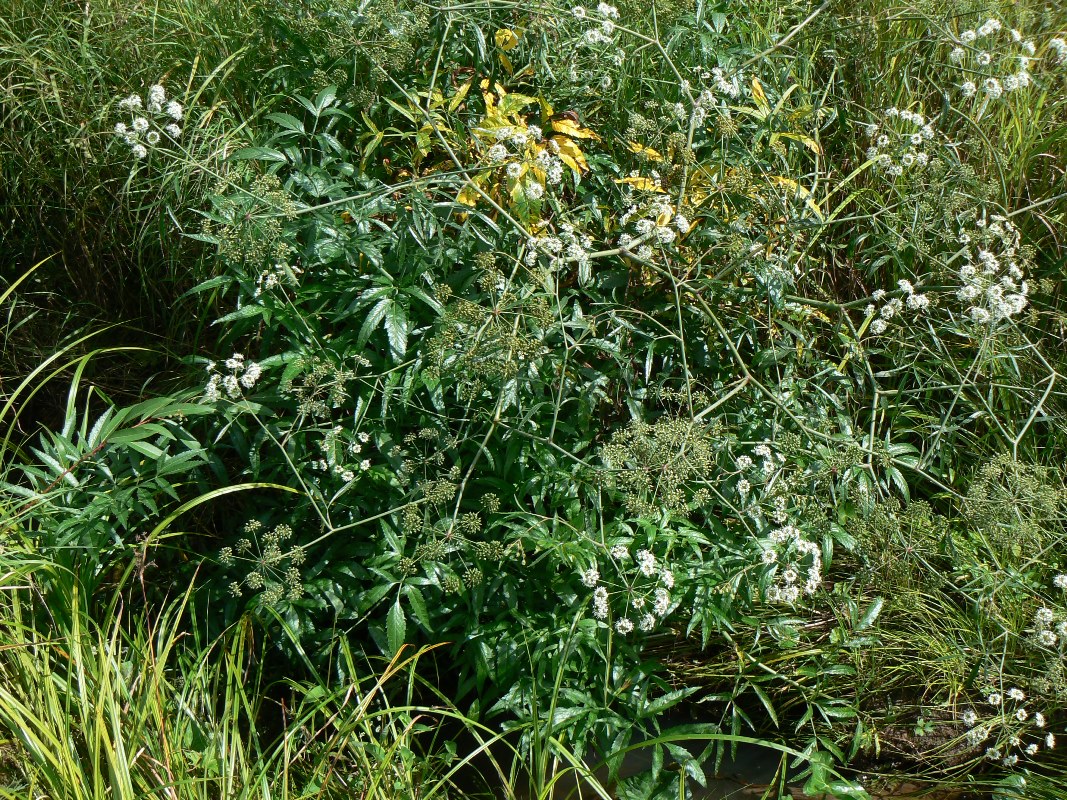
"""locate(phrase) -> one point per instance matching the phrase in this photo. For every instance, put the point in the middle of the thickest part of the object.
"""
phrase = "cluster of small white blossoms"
(281, 273)
(605, 18)
(994, 285)
(646, 593)
(544, 168)
(567, 246)
(659, 223)
(1059, 50)
(1016, 731)
(744, 463)
(987, 69)
(149, 121)
(788, 553)
(717, 80)
(770, 464)
(894, 307)
(337, 452)
(898, 142)
(241, 374)
(1049, 628)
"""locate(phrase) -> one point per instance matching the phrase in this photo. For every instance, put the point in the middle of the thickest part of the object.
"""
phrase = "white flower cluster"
(337, 449)
(1017, 732)
(150, 121)
(769, 466)
(898, 142)
(645, 591)
(567, 246)
(729, 85)
(1049, 630)
(789, 554)
(540, 164)
(989, 69)
(604, 30)
(719, 83)
(994, 286)
(548, 162)
(1059, 50)
(659, 223)
(895, 307)
(280, 273)
(240, 374)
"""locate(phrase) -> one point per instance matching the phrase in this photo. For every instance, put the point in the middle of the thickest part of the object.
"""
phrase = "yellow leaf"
(571, 128)
(805, 140)
(571, 155)
(648, 152)
(460, 96)
(513, 103)
(506, 63)
(468, 196)
(809, 199)
(641, 182)
(506, 39)
(758, 94)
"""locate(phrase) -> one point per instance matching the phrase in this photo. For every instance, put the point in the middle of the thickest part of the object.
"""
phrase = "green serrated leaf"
(396, 327)
(395, 627)
(418, 606)
(287, 121)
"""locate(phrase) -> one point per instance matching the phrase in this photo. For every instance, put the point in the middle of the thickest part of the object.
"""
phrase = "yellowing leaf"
(569, 127)
(505, 62)
(460, 96)
(513, 103)
(805, 140)
(468, 196)
(571, 155)
(506, 39)
(809, 199)
(641, 182)
(647, 152)
(758, 94)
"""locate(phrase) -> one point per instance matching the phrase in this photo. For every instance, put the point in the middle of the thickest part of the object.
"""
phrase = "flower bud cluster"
(268, 567)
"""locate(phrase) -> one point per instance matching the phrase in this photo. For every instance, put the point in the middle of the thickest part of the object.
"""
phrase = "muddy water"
(750, 776)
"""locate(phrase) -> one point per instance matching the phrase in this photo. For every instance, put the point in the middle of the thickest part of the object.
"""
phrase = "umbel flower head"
(898, 142)
(993, 60)
(152, 124)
